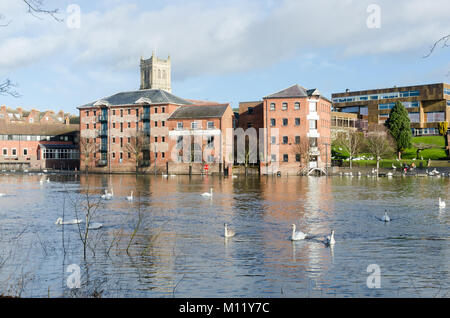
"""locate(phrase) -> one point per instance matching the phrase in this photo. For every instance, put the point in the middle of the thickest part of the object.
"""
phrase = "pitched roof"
(293, 91)
(210, 111)
(155, 96)
(37, 129)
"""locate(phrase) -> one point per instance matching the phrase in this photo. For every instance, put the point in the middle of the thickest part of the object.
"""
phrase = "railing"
(146, 132)
(102, 118)
(102, 163)
(103, 148)
(145, 116)
(144, 163)
(102, 133)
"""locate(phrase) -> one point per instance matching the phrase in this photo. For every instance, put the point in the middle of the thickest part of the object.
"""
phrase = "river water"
(176, 246)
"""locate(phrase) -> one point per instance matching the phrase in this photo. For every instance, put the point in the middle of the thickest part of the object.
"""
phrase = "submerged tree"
(352, 142)
(399, 127)
(378, 143)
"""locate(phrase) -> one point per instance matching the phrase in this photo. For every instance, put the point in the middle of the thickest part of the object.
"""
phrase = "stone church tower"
(155, 73)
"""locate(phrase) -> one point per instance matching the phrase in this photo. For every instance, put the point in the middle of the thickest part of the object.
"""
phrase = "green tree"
(399, 127)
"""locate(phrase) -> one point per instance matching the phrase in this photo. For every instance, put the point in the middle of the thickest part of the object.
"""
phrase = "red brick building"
(298, 123)
(37, 146)
(199, 134)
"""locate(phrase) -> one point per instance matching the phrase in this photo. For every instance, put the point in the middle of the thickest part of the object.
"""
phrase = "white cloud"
(212, 37)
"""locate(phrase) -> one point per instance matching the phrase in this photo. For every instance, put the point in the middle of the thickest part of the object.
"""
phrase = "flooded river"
(169, 241)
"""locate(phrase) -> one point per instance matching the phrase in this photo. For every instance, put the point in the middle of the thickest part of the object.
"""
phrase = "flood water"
(178, 248)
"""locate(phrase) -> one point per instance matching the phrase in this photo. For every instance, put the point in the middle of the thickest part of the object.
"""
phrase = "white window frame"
(208, 125)
(179, 125)
(3, 152)
(23, 151)
(12, 152)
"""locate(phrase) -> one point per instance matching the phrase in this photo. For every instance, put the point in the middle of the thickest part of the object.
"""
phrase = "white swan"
(386, 217)
(130, 198)
(208, 194)
(60, 221)
(297, 235)
(228, 232)
(329, 240)
(441, 203)
(393, 166)
(95, 226)
(389, 174)
(234, 176)
(107, 195)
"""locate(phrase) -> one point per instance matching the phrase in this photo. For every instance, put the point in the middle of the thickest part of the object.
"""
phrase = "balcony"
(146, 146)
(146, 132)
(102, 163)
(102, 118)
(102, 133)
(103, 148)
(144, 163)
(145, 117)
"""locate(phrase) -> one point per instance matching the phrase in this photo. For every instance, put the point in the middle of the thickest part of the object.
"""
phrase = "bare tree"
(302, 148)
(351, 142)
(35, 8)
(86, 149)
(139, 142)
(379, 143)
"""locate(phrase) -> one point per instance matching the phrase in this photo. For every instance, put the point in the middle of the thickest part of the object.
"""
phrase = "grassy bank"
(436, 153)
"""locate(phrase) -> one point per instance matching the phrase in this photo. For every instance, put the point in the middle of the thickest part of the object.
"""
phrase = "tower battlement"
(156, 73)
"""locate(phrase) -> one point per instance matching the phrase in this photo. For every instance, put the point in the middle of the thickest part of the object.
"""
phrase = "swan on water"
(60, 221)
(108, 195)
(386, 217)
(95, 226)
(228, 232)
(297, 235)
(130, 198)
(329, 240)
(441, 203)
(208, 194)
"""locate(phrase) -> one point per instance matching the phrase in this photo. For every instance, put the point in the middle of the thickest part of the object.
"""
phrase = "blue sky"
(225, 51)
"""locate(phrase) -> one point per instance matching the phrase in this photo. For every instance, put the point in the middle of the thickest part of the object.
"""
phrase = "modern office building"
(427, 105)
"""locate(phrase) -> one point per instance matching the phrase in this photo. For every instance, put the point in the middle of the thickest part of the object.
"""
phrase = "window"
(249, 125)
(121, 127)
(129, 155)
(285, 140)
(121, 142)
(121, 155)
(285, 158)
(285, 121)
(313, 142)
(163, 123)
(129, 125)
(114, 112)
(129, 140)
(272, 106)
(414, 117)
(14, 152)
(5, 152)
(87, 126)
(163, 139)
(273, 122)
(312, 124)
(156, 124)
(273, 140)
(250, 110)
(114, 155)
(297, 140)
(163, 154)
(179, 126)
(87, 113)
(114, 125)
(180, 142)
(163, 110)
(210, 125)
(284, 106)
(25, 151)
(156, 110)
(194, 125)
(297, 106)
(297, 121)
(273, 158)
(129, 111)
(210, 142)
(156, 139)
(297, 157)
(312, 107)
(114, 140)
(434, 117)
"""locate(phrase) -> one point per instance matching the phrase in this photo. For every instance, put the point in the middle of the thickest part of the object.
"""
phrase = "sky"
(221, 50)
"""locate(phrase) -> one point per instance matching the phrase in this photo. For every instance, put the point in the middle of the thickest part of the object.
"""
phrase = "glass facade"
(376, 96)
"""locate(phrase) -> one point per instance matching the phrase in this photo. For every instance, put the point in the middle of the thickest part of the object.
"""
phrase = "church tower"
(155, 73)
